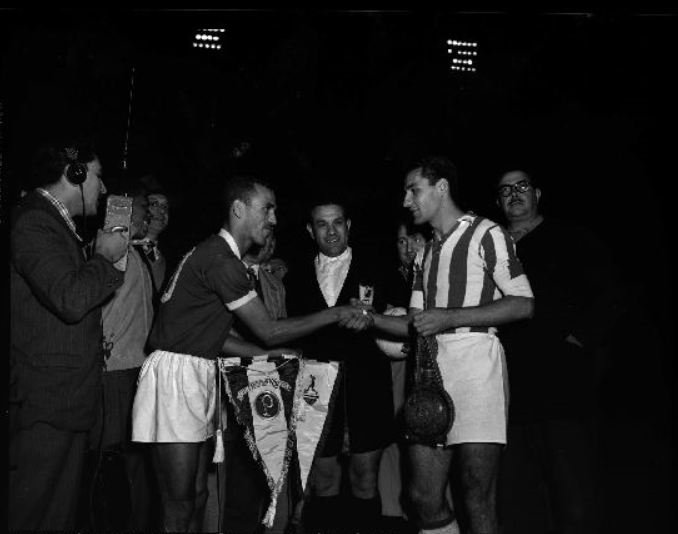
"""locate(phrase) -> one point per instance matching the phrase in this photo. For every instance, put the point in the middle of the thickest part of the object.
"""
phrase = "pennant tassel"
(219, 445)
(219, 449)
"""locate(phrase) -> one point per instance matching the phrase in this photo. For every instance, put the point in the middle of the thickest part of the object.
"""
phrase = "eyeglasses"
(521, 187)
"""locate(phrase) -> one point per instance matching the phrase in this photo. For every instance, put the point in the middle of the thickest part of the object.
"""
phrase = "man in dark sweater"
(551, 358)
(56, 362)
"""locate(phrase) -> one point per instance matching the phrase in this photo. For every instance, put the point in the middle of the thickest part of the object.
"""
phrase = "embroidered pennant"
(314, 412)
(280, 401)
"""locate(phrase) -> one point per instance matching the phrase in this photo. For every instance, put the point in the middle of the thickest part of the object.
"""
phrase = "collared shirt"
(331, 274)
(254, 269)
(62, 210)
(196, 311)
(149, 248)
(231, 242)
(404, 272)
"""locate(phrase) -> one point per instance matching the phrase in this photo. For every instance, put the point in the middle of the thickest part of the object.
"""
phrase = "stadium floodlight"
(209, 38)
(464, 55)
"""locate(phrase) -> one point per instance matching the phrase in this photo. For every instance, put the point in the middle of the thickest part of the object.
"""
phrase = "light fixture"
(209, 38)
(461, 53)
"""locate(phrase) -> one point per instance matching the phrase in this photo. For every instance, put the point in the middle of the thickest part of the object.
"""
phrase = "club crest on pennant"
(310, 392)
(267, 405)
(366, 294)
(281, 403)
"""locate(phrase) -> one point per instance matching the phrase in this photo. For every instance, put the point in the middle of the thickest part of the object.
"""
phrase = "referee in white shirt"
(362, 422)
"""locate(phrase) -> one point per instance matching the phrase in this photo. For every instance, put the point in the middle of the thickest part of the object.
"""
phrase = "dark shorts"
(362, 417)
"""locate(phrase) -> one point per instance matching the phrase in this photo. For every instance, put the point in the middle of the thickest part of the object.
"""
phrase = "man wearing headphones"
(56, 364)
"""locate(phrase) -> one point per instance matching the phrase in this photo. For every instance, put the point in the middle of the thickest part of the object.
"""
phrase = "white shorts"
(473, 368)
(175, 399)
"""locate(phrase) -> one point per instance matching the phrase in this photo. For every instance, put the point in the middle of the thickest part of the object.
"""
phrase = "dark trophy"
(429, 410)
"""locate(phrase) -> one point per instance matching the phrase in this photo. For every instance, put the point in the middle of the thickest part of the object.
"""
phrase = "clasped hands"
(425, 322)
(356, 316)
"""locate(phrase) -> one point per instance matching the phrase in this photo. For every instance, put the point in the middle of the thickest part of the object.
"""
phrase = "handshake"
(356, 316)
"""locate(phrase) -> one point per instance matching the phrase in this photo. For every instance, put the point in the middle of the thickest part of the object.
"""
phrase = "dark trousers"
(121, 492)
(548, 478)
(45, 478)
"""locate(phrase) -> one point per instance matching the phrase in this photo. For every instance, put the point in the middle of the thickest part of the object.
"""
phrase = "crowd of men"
(123, 359)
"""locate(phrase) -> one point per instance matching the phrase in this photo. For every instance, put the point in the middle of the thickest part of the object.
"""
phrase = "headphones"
(76, 172)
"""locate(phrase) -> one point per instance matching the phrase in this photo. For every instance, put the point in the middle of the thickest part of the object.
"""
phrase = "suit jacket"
(56, 361)
(365, 395)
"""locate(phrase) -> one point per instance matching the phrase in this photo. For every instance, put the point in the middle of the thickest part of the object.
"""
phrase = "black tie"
(147, 262)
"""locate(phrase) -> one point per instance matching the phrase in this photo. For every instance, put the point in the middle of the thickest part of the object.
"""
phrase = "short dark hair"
(51, 159)
(326, 195)
(241, 187)
(435, 168)
(328, 202)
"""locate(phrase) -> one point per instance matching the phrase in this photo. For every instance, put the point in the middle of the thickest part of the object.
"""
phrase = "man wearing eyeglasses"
(518, 200)
(551, 358)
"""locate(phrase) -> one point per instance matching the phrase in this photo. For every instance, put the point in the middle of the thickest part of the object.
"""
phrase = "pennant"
(314, 412)
(280, 402)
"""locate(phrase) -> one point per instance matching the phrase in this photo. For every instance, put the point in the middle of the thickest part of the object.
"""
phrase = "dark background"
(343, 100)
